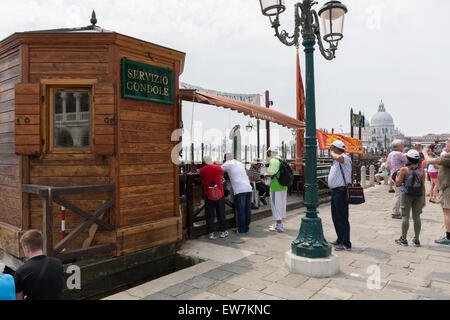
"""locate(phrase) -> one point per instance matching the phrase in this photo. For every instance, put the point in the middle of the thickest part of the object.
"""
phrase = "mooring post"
(372, 175)
(363, 177)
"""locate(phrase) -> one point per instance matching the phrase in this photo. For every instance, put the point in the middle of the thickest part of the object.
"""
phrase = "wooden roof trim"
(91, 38)
(9, 44)
(154, 49)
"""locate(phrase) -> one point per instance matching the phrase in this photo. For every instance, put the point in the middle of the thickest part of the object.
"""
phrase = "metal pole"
(310, 242)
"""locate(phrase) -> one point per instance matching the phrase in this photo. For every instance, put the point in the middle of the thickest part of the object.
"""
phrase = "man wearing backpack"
(278, 192)
(211, 177)
(411, 180)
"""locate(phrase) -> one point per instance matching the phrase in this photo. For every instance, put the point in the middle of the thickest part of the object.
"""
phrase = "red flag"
(352, 145)
(301, 102)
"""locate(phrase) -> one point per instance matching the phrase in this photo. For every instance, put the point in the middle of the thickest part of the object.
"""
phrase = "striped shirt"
(335, 178)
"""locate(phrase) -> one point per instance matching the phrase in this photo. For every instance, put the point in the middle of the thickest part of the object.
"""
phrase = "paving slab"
(256, 269)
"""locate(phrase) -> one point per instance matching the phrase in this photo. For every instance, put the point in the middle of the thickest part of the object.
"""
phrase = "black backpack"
(413, 184)
(286, 178)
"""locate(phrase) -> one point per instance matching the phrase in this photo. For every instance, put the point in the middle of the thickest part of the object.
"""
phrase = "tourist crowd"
(41, 277)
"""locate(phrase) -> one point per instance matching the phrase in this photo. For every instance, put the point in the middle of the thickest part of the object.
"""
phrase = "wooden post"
(47, 226)
(258, 138)
(268, 103)
(245, 159)
(189, 205)
(203, 152)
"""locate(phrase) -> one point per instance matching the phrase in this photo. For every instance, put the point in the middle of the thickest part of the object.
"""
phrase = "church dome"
(382, 118)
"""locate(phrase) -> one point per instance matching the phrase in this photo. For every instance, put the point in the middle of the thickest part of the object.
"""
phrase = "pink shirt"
(396, 160)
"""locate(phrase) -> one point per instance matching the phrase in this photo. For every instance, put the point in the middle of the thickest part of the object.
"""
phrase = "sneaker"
(402, 242)
(416, 242)
(224, 234)
(391, 191)
(276, 228)
(397, 216)
(211, 236)
(341, 247)
(335, 243)
(444, 240)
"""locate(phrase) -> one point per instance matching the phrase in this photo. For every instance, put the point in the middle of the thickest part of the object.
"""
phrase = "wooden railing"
(53, 194)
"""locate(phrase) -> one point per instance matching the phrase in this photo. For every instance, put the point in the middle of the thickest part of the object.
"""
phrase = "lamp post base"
(316, 268)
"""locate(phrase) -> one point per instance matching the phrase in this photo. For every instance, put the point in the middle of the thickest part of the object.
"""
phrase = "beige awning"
(248, 109)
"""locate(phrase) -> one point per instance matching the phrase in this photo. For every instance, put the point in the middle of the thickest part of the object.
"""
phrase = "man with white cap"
(7, 287)
(339, 178)
(278, 193)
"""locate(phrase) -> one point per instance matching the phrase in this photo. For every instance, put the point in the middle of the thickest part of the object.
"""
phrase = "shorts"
(433, 175)
(444, 197)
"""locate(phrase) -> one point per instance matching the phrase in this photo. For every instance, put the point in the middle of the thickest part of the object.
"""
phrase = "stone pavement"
(255, 269)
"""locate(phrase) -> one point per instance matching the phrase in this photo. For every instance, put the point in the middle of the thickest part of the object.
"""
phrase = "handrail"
(53, 194)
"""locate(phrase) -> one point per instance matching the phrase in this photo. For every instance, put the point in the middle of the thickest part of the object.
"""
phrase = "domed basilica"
(380, 131)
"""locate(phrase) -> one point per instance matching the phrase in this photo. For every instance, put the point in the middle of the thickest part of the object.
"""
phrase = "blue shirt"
(7, 288)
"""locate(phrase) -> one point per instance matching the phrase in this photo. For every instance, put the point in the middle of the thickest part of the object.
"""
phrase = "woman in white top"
(433, 172)
(382, 172)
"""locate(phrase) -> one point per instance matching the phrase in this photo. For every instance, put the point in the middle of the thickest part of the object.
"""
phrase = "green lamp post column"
(310, 242)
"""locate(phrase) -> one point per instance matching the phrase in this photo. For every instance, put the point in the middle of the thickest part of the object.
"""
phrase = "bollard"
(363, 177)
(372, 175)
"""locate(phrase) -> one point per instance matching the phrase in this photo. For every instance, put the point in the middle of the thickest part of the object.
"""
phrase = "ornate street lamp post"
(310, 242)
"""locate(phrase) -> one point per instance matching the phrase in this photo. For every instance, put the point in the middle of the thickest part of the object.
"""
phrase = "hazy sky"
(392, 50)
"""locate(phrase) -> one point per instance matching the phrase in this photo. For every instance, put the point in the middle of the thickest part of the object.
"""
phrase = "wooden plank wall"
(148, 187)
(63, 170)
(10, 180)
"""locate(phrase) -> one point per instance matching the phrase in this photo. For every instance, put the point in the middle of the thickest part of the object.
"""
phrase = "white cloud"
(392, 50)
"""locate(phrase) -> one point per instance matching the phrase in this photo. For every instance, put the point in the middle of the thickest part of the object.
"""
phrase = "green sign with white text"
(142, 81)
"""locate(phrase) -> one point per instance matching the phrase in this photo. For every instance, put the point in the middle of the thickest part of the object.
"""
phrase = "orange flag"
(352, 145)
(301, 102)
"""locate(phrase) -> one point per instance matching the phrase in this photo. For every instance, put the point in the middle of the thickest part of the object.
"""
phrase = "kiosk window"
(70, 118)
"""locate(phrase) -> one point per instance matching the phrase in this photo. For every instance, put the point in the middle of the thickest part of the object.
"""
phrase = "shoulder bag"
(355, 193)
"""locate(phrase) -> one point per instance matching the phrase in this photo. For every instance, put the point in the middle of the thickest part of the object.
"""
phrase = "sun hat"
(413, 154)
(339, 144)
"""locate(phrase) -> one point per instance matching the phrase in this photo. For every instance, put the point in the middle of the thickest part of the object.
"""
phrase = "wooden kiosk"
(86, 118)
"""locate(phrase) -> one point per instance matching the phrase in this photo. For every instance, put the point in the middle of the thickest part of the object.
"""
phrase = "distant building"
(381, 130)
(430, 139)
